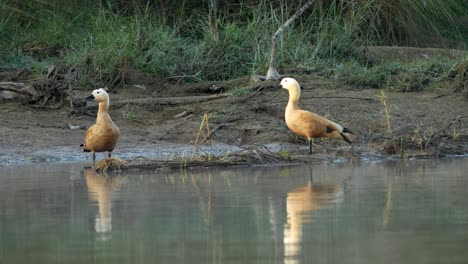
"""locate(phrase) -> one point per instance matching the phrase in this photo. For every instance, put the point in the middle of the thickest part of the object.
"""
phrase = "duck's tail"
(346, 138)
(84, 149)
(347, 130)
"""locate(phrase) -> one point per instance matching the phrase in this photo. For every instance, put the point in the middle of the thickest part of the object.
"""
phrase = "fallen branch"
(340, 97)
(166, 100)
(333, 97)
(219, 126)
(174, 128)
(13, 87)
(171, 100)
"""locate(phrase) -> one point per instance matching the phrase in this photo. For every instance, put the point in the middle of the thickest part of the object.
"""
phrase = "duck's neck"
(104, 201)
(102, 112)
(293, 99)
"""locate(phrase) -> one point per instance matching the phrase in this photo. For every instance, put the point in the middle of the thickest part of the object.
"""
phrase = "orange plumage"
(103, 135)
(308, 124)
(300, 205)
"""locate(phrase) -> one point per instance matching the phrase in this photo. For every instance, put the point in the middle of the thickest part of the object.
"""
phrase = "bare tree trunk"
(272, 73)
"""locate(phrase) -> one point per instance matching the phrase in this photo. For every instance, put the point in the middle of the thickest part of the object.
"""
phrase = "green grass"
(242, 91)
(196, 40)
(16, 61)
(412, 76)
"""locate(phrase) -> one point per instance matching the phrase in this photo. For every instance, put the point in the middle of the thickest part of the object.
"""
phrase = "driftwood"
(341, 97)
(45, 93)
(49, 92)
(13, 87)
(332, 97)
(13, 90)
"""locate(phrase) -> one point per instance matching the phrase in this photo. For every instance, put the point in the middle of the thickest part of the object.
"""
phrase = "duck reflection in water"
(300, 204)
(102, 188)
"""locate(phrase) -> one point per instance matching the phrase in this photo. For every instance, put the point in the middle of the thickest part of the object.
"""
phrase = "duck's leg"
(110, 154)
(310, 146)
(94, 157)
(311, 176)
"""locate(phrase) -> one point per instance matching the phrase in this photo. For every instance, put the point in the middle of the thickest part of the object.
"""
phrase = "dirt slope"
(422, 123)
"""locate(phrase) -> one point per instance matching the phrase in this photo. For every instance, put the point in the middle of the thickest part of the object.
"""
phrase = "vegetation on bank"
(101, 41)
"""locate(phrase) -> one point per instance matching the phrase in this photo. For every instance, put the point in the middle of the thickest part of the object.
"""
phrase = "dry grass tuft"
(254, 155)
(110, 164)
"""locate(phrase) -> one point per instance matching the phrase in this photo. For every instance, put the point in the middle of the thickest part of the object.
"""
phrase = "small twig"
(354, 118)
(212, 131)
(172, 129)
(70, 90)
(440, 95)
(52, 107)
(46, 99)
(261, 88)
(138, 121)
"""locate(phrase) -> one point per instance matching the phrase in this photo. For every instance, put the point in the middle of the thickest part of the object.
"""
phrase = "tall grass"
(411, 76)
(419, 23)
(206, 40)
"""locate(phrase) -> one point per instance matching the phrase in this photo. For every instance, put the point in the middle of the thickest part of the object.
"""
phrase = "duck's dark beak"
(91, 97)
(279, 85)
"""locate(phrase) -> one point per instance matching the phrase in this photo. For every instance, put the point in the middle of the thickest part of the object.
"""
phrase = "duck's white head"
(291, 85)
(99, 95)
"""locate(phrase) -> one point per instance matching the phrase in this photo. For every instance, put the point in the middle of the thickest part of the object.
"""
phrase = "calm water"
(385, 212)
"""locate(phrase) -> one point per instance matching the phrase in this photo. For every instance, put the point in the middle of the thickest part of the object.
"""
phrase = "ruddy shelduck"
(308, 124)
(103, 135)
(301, 203)
(101, 189)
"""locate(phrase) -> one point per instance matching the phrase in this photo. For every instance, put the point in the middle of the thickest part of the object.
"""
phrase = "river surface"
(382, 212)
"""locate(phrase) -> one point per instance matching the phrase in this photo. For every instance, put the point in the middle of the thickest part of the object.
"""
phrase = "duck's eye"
(97, 92)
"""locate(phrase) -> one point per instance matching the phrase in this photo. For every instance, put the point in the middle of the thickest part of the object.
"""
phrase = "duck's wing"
(334, 130)
(89, 137)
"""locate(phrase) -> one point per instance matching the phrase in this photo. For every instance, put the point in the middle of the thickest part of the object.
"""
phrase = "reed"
(383, 100)
(202, 136)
